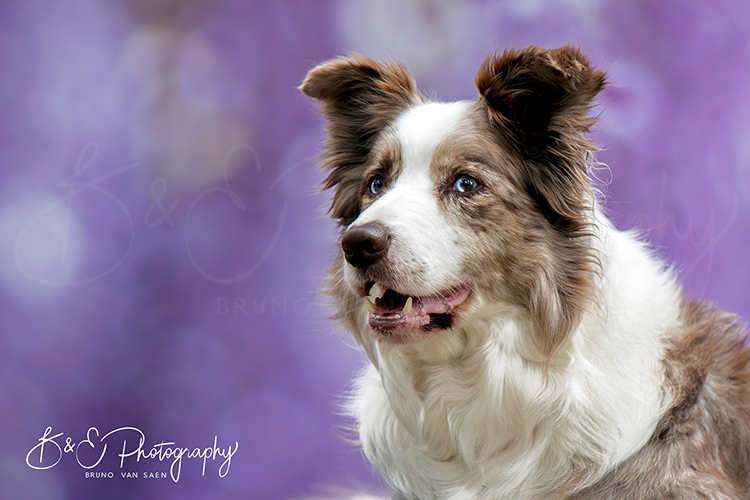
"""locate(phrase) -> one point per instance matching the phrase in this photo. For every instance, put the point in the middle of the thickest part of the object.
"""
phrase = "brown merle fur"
(538, 101)
(701, 447)
(360, 97)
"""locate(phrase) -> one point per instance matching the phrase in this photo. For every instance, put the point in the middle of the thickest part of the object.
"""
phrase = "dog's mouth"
(398, 318)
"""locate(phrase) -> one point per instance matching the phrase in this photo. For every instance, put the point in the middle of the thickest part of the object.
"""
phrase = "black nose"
(364, 245)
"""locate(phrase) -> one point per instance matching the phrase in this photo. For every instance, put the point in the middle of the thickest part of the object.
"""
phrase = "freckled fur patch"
(701, 447)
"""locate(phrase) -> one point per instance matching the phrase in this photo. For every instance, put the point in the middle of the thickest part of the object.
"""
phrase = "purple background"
(161, 237)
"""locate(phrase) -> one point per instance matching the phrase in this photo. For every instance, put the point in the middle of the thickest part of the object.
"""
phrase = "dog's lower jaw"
(382, 331)
(395, 318)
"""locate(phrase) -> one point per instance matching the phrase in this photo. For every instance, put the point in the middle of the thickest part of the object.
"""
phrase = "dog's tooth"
(377, 291)
(407, 306)
(369, 305)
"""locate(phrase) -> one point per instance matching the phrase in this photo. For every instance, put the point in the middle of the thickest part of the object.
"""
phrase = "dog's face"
(450, 208)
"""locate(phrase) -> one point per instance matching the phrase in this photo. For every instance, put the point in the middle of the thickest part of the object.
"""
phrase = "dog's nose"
(364, 245)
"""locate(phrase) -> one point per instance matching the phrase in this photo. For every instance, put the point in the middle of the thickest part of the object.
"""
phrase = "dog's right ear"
(359, 97)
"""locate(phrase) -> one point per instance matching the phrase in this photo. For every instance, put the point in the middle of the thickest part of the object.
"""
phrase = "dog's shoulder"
(701, 446)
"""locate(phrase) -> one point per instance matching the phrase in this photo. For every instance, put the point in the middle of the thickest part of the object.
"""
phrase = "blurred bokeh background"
(162, 236)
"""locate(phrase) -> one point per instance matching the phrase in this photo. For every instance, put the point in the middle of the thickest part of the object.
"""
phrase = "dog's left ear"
(539, 101)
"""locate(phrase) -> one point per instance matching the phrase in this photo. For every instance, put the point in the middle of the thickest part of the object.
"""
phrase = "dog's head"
(449, 209)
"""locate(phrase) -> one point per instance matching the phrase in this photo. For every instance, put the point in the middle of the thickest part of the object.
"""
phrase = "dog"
(521, 346)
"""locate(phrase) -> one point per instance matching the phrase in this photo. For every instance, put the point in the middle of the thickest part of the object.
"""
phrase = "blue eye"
(376, 184)
(465, 184)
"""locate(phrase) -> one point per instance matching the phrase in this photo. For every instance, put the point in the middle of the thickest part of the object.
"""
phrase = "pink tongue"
(443, 304)
(428, 305)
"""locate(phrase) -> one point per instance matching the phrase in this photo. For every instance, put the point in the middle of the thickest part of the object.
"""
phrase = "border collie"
(521, 347)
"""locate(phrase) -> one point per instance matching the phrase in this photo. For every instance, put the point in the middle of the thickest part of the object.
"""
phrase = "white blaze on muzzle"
(423, 253)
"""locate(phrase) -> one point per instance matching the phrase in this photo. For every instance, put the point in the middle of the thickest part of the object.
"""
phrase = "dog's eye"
(465, 184)
(376, 184)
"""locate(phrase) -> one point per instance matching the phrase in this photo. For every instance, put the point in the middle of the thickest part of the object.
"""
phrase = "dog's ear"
(359, 97)
(539, 102)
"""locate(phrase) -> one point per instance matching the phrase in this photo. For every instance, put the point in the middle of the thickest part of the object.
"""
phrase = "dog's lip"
(397, 317)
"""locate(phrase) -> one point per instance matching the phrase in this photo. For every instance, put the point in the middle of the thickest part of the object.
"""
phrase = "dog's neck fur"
(479, 406)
